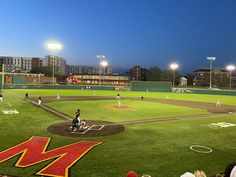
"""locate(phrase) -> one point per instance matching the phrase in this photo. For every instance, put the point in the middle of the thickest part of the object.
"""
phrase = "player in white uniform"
(1, 97)
(218, 103)
(39, 100)
(58, 97)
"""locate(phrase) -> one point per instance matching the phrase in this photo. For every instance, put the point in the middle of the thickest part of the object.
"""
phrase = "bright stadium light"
(53, 47)
(230, 68)
(104, 63)
(173, 67)
(211, 59)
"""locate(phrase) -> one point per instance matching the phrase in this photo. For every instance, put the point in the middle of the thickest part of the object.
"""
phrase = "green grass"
(230, 100)
(139, 110)
(159, 149)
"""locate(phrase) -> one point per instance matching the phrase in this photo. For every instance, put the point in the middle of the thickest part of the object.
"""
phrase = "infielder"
(218, 103)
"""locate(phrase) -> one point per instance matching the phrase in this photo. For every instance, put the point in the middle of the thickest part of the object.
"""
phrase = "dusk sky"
(128, 32)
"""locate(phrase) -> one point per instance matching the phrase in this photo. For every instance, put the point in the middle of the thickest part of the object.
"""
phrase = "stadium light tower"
(102, 63)
(230, 68)
(53, 47)
(173, 67)
(211, 59)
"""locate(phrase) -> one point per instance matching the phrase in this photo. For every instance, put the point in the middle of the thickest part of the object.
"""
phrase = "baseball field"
(163, 135)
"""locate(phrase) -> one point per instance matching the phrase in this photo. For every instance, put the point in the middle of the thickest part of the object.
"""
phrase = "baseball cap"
(187, 174)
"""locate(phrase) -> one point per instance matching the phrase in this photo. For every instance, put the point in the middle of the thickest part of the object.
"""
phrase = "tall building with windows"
(58, 62)
(220, 77)
(21, 64)
(135, 73)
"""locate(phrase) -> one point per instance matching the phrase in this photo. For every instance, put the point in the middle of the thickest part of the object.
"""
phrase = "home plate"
(10, 111)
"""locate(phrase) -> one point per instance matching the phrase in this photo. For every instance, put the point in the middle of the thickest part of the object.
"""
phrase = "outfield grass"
(138, 110)
(230, 100)
(159, 149)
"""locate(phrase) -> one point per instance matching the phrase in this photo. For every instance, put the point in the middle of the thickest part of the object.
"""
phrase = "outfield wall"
(151, 86)
(58, 87)
(213, 92)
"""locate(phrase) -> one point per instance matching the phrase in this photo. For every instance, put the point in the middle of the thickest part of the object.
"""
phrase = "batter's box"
(220, 125)
(97, 127)
(10, 111)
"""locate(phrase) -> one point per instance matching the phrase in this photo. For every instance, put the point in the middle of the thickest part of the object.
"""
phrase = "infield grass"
(104, 110)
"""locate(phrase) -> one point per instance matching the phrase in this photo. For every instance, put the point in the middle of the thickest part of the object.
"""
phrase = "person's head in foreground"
(199, 173)
(131, 174)
(187, 174)
(230, 170)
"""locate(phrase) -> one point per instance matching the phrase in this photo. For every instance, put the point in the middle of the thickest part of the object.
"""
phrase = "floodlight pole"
(174, 78)
(100, 57)
(230, 68)
(53, 68)
(2, 78)
(211, 59)
(173, 67)
(53, 47)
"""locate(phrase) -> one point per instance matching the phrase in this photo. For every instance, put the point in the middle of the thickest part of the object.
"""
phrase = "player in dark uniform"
(76, 120)
(26, 96)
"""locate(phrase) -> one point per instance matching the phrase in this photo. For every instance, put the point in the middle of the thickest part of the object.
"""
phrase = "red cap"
(131, 174)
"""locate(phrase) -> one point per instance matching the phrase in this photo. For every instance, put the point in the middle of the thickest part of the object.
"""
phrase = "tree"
(154, 74)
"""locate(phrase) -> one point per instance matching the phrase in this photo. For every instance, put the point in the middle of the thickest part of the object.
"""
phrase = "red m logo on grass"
(34, 151)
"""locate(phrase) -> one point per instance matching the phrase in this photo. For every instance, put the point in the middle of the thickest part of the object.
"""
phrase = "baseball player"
(118, 96)
(58, 97)
(76, 121)
(1, 97)
(218, 103)
(39, 100)
(83, 125)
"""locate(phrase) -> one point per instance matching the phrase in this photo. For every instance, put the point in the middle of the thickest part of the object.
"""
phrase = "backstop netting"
(151, 86)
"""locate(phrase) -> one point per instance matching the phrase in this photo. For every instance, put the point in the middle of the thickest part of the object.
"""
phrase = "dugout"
(151, 86)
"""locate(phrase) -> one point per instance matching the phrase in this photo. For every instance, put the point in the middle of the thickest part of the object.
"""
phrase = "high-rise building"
(136, 73)
(58, 62)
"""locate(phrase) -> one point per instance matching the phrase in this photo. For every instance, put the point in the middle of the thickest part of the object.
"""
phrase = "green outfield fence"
(213, 92)
(79, 87)
(151, 86)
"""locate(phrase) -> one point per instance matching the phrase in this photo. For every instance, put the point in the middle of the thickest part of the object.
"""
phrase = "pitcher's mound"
(122, 107)
(96, 128)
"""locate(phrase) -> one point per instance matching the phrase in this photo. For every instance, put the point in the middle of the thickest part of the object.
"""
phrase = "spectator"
(199, 173)
(131, 174)
(187, 174)
(230, 170)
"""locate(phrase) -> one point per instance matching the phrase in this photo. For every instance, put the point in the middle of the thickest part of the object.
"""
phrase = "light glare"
(230, 67)
(54, 46)
(174, 66)
(104, 63)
